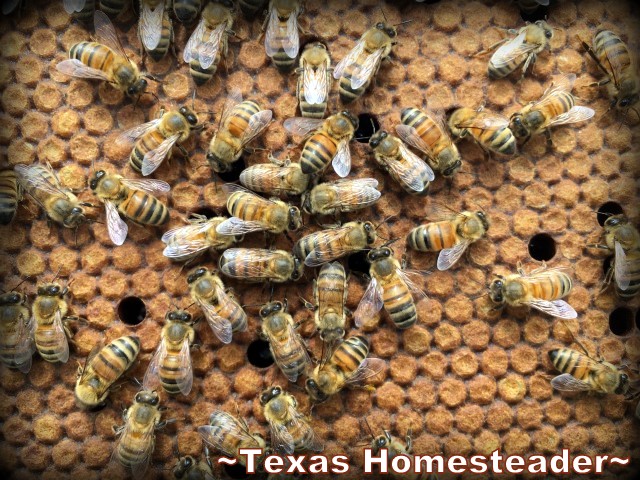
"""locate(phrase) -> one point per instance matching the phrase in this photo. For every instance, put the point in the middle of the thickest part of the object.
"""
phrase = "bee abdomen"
(48, 344)
(144, 209)
(166, 36)
(633, 264)
(432, 237)
(283, 61)
(8, 196)
(351, 353)
(113, 360)
(400, 306)
(202, 75)
(171, 372)
(93, 55)
(348, 94)
(112, 8)
(317, 154)
(148, 142)
(240, 116)
(609, 46)
(309, 110)
(566, 361)
(186, 11)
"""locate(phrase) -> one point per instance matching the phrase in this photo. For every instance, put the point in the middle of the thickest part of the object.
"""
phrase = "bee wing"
(72, 6)
(238, 226)
(147, 184)
(208, 50)
(225, 431)
(351, 57)
(576, 114)
(106, 33)
(230, 188)
(322, 239)
(143, 447)
(35, 177)
(251, 260)
(75, 68)
(511, 50)
(409, 175)
(136, 132)
(449, 256)
(151, 379)
(568, 383)
(151, 24)
(291, 42)
(406, 276)
(485, 122)
(186, 241)
(257, 123)
(191, 48)
(25, 346)
(271, 45)
(562, 84)
(94, 351)
(185, 382)
(369, 367)
(556, 308)
(300, 424)
(342, 160)
(281, 439)
(221, 326)
(360, 192)
(621, 270)
(269, 175)
(410, 135)
(315, 85)
(60, 338)
(614, 64)
(293, 343)
(234, 98)
(301, 125)
(117, 227)
(153, 158)
(363, 74)
(370, 304)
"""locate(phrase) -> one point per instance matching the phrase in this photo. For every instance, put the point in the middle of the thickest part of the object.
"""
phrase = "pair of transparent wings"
(252, 262)
(273, 179)
(555, 308)
(188, 240)
(368, 368)
(256, 124)
(483, 121)
(22, 351)
(184, 381)
(220, 326)
(281, 439)
(282, 37)
(568, 383)
(239, 226)
(150, 24)
(412, 170)
(204, 43)
(73, 6)
(513, 50)
(354, 194)
(291, 343)
(144, 440)
(621, 268)
(226, 431)
(116, 226)
(315, 84)
(329, 245)
(302, 126)
(59, 336)
(362, 72)
(41, 178)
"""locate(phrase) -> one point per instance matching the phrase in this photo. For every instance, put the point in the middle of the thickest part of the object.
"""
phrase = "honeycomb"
(464, 380)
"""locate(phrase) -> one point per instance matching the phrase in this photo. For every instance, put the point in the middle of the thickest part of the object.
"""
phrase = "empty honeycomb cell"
(421, 394)
(416, 340)
(499, 416)
(15, 100)
(538, 196)
(615, 407)
(494, 362)
(464, 363)
(114, 284)
(65, 454)
(523, 359)
(109, 95)
(94, 259)
(28, 70)
(47, 429)
(525, 223)
(439, 421)
(403, 369)
(457, 444)
(248, 383)
(604, 435)
(51, 150)
(587, 410)
(623, 190)
(452, 392)
(35, 457)
(446, 17)
(29, 402)
(63, 260)
(43, 236)
(13, 239)
(389, 397)
(30, 263)
(516, 442)
(501, 92)
(512, 388)
(558, 412)
(184, 196)
(7, 404)
(595, 324)
(347, 429)
(554, 220)
(447, 337)
(470, 418)
(509, 197)
(612, 350)
(384, 343)
(588, 271)
(521, 171)
(529, 415)
(420, 72)
(8, 129)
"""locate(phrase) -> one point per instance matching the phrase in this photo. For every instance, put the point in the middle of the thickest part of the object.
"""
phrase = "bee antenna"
(57, 273)
(19, 283)
(151, 77)
(384, 220)
(403, 22)
(369, 428)
(383, 15)
(137, 382)
(389, 242)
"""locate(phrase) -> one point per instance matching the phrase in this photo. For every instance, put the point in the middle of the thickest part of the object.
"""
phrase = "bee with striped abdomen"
(623, 239)
(219, 306)
(314, 80)
(541, 289)
(16, 332)
(229, 435)
(155, 28)
(131, 198)
(328, 144)
(275, 178)
(347, 365)
(104, 60)
(261, 265)
(428, 133)
(555, 107)
(252, 213)
(355, 71)
(341, 196)
(170, 366)
(391, 287)
(282, 41)
(10, 195)
(451, 236)
(155, 139)
(186, 11)
(113, 8)
(240, 123)
(102, 368)
(51, 331)
(188, 468)
(613, 57)
(288, 349)
(332, 243)
(209, 41)
(59, 203)
(489, 130)
(136, 438)
(81, 10)
(188, 242)
(290, 430)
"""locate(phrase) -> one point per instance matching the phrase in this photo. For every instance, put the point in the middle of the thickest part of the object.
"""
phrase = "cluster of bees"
(424, 145)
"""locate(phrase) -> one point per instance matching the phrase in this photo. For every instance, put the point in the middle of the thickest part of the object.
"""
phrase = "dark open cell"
(236, 471)
(621, 321)
(367, 126)
(131, 310)
(259, 354)
(234, 174)
(206, 211)
(608, 209)
(606, 265)
(542, 247)
(532, 11)
(357, 262)
(638, 319)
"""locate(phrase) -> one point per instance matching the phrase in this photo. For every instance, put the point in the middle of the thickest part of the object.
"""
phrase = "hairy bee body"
(186, 11)
(275, 179)
(260, 265)
(49, 311)
(327, 245)
(341, 196)
(113, 8)
(489, 130)
(155, 44)
(188, 468)
(102, 368)
(16, 342)
(190, 241)
(314, 80)
(281, 38)
(10, 195)
(330, 293)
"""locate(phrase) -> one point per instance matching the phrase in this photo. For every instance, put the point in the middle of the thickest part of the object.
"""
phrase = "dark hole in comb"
(367, 126)
(236, 471)
(234, 174)
(542, 247)
(259, 354)
(638, 319)
(206, 211)
(533, 13)
(131, 310)
(621, 321)
(606, 265)
(608, 209)
(357, 262)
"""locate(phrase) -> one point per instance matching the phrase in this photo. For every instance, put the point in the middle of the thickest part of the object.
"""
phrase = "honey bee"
(155, 28)
(290, 430)
(59, 203)
(341, 196)
(329, 142)
(239, 125)
(191, 241)
(112, 8)
(155, 139)
(427, 133)
(251, 7)
(451, 236)
(541, 289)
(261, 265)
(395, 447)
(82, 10)
(555, 107)
(102, 368)
(137, 438)
(51, 331)
(229, 435)
(16, 340)
(252, 213)
(347, 365)
(391, 287)
(220, 308)
(130, 198)
(613, 58)
(623, 239)
(520, 51)
(10, 195)
(188, 468)
(186, 11)
(171, 364)
(281, 40)
(329, 244)
(275, 178)
(208, 42)
(357, 69)
(104, 60)
(489, 130)
(314, 80)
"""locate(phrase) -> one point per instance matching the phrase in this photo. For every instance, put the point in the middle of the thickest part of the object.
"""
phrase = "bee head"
(269, 394)
(370, 231)
(270, 308)
(12, 298)
(378, 253)
(179, 316)
(183, 465)
(295, 219)
(451, 169)
(137, 88)
(332, 335)
(517, 126)
(200, 272)
(189, 115)
(217, 164)
(377, 138)
(380, 442)
(623, 386)
(483, 219)
(298, 268)
(548, 31)
(616, 221)
(353, 120)
(496, 290)
(150, 397)
(312, 388)
(93, 183)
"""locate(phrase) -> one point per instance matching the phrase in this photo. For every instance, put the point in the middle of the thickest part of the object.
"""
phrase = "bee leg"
(207, 457)
(308, 305)
(409, 442)
(491, 48)
(547, 134)
(531, 59)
